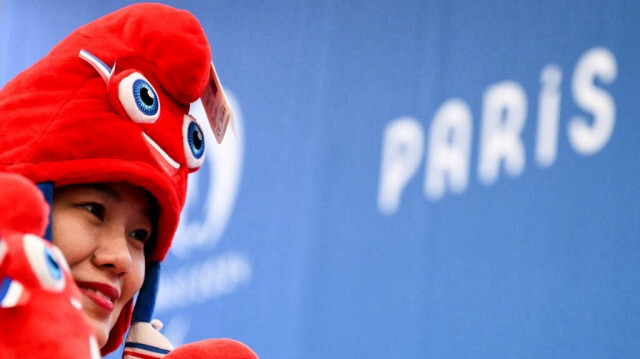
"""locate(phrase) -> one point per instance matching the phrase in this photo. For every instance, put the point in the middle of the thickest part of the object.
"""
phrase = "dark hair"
(151, 243)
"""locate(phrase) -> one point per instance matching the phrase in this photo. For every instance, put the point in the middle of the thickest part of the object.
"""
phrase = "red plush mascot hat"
(109, 103)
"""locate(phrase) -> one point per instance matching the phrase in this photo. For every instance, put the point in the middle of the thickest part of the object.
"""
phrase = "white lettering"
(548, 115)
(201, 281)
(500, 145)
(401, 154)
(449, 149)
(597, 63)
(503, 118)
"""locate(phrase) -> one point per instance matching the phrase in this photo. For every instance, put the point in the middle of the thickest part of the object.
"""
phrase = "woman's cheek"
(136, 276)
(75, 242)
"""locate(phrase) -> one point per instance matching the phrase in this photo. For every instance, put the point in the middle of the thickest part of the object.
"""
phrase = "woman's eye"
(141, 235)
(95, 209)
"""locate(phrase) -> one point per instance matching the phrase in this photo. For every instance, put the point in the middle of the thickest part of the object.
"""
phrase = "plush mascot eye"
(45, 264)
(139, 99)
(193, 142)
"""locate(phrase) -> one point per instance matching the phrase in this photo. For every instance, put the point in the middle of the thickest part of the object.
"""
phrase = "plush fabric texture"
(23, 208)
(61, 122)
(213, 348)
(34, 279)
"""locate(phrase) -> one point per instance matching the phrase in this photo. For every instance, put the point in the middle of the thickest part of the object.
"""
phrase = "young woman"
(102, 230)
(101, 124)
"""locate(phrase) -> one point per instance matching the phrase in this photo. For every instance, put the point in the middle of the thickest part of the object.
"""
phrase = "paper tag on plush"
(216, 106)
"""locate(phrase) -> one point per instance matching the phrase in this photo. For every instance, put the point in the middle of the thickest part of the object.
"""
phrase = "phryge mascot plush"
(40, 308)
(110, 103)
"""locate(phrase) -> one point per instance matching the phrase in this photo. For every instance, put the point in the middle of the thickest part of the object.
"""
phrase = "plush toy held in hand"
(151, 344)
(40, 307)
(213, 348)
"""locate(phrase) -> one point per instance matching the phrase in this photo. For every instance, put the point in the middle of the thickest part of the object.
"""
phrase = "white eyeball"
(139, 98)
(193, 142)
(46, 263)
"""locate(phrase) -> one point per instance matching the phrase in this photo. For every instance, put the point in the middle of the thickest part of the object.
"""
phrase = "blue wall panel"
(384, 196)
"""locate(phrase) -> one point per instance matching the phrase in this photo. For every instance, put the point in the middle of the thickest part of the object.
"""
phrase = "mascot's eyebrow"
(104, 70)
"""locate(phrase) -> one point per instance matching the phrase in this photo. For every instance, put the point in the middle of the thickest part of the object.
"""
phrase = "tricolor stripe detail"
(104, 70)
(11, 293)
(138, 350)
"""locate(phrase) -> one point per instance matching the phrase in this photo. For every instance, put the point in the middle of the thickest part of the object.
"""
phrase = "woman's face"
(101, 229)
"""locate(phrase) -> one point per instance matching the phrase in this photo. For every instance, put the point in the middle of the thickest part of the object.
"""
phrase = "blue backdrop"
(408, 179)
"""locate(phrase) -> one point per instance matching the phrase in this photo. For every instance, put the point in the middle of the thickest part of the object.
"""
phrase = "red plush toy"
(213, 348)
(40, 308)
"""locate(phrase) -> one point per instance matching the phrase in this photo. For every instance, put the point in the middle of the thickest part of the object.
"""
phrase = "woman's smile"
(102, 294)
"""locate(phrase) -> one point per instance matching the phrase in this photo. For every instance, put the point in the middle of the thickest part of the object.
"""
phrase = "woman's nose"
(113, 253)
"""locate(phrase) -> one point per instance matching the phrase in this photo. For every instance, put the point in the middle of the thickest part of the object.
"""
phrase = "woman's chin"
(98, 322)
(100, 329)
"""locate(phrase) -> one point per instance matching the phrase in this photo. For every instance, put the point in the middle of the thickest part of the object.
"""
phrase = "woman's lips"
(103, 295)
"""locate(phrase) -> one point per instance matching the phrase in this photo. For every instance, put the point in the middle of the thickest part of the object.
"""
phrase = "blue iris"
(195, 136)
(52, 265)
(145, 97)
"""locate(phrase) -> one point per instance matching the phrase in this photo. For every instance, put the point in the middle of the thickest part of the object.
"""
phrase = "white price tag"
(216, 106)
